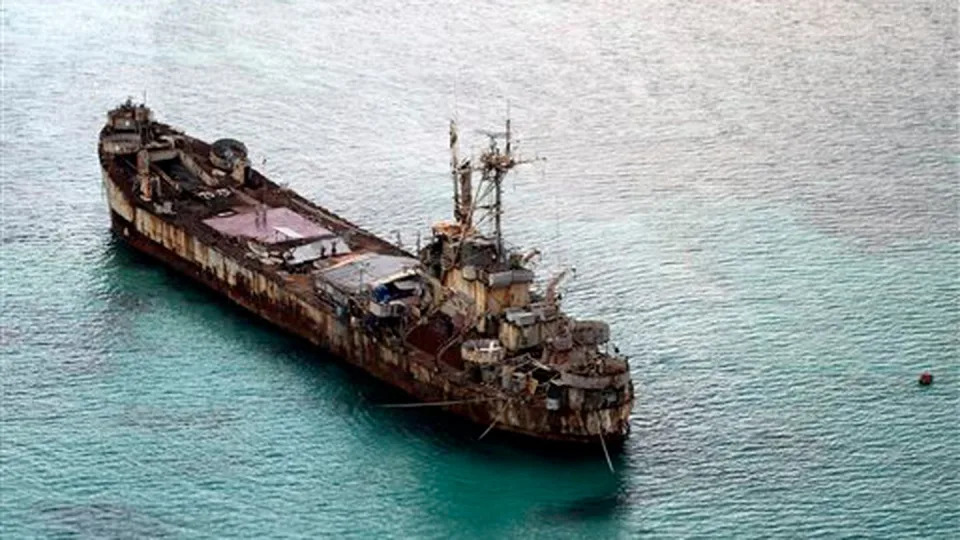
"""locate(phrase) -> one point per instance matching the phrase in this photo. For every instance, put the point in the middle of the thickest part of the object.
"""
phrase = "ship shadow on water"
(594, 507)
(100, 520)
(440, 428)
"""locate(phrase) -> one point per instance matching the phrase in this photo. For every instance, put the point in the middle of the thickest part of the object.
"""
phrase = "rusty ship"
(460, 324)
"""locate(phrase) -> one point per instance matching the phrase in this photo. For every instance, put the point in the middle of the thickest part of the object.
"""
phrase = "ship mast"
(498, 204)
(454, 168)
(493, 167)
(462, 175)
(496, 164)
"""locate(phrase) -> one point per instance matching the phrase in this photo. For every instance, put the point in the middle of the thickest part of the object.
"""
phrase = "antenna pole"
(498, 180)
(454, 166)
(497, 209)
(508, 129)
(466, 195)
(494, 165)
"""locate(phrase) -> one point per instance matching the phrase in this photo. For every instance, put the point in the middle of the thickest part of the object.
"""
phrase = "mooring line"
(434, 403)
(603, 443)
(606, 454)
(495, 419)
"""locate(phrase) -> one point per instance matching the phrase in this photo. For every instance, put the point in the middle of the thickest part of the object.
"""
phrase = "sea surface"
(761, 198)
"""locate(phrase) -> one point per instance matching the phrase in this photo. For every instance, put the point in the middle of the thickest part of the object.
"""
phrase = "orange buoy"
(926, 378)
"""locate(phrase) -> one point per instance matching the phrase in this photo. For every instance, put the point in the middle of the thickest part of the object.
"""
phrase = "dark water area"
(761, 198)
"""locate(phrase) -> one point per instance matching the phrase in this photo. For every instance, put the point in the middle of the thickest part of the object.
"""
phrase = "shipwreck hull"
(408, 369)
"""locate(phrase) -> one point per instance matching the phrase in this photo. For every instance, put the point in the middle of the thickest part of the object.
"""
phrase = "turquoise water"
(761, 199)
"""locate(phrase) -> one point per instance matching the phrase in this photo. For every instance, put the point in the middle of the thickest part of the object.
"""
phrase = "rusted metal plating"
(457, 324)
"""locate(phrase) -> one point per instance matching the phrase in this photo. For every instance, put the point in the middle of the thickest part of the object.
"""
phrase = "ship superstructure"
(457, 325)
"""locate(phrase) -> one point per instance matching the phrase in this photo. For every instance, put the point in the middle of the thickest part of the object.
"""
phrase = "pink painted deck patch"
(281, 224)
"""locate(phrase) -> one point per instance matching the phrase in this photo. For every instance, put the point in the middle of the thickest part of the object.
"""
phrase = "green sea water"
(761, 199)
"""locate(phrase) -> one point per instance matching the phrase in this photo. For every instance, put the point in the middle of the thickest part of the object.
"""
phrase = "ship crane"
(551, 292)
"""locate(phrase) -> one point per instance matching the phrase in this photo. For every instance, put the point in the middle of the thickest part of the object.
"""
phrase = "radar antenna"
(493, 165)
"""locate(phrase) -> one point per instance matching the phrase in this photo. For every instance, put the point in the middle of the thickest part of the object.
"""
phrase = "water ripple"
(762, 199)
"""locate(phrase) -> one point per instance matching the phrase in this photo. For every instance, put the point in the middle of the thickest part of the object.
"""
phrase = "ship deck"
(224, 218)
